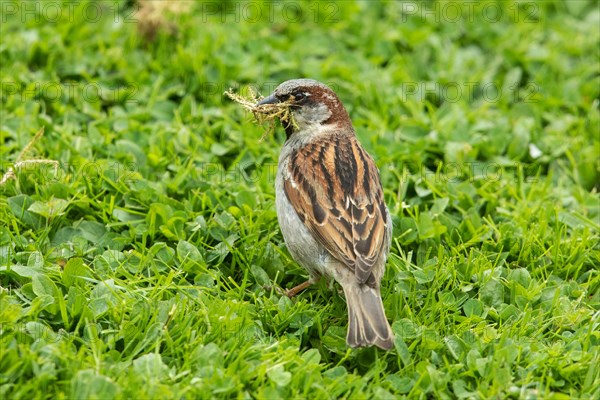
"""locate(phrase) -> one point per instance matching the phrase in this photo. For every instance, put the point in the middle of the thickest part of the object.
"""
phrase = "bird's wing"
(334, 187)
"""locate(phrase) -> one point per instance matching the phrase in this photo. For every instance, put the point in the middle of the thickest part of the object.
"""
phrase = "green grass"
(145, 265)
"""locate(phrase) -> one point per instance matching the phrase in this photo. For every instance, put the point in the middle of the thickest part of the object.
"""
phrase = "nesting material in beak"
(265, 109)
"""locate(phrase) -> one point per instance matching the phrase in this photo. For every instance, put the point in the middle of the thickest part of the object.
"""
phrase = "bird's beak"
(268, 100)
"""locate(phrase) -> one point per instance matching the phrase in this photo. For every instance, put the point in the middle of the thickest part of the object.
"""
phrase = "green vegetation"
(142, 259)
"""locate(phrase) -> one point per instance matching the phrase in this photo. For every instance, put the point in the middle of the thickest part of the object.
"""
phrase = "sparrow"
(330, 206)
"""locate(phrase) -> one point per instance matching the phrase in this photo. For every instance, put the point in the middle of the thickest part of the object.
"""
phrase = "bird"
(330, 205)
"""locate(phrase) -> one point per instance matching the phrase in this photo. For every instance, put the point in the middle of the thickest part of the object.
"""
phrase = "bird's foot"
(276, 288)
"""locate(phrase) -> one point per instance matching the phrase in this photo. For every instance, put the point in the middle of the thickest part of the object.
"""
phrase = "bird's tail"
(367, 324)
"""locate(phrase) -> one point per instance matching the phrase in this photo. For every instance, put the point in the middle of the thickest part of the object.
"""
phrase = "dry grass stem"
(266, 113)
(20, 163)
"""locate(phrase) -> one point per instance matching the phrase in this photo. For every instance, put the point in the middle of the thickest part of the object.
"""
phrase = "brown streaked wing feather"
(346, 215)
(369, 217)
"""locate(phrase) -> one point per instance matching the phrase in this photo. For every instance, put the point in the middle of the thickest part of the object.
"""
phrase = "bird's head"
(314, 107)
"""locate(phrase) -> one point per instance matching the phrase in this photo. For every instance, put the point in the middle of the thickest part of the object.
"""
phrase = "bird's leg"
(297, 289)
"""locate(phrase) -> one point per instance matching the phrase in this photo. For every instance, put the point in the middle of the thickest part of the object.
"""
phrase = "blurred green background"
(139, 246)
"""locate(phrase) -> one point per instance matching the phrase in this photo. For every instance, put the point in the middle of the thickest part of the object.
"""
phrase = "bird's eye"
(299, 96)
